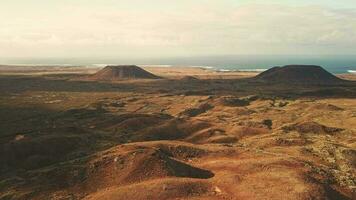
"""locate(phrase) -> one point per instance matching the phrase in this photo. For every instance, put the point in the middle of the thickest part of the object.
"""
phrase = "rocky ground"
(204, 138)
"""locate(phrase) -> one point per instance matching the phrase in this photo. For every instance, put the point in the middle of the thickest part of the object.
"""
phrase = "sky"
(161, 28)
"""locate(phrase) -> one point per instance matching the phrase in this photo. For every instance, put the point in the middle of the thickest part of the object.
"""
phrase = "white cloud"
(248, 29)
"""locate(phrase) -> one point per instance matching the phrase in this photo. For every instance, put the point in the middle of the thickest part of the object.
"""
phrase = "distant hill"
(298, 74)
(111, 73)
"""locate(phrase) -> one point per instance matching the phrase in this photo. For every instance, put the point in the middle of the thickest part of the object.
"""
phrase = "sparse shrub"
(282, 104)
(268, 123)
(235, 102)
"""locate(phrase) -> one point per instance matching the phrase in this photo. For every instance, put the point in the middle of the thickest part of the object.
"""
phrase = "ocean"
(337, 64)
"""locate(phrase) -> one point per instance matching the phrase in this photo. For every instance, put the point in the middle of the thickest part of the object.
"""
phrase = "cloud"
(197, 30)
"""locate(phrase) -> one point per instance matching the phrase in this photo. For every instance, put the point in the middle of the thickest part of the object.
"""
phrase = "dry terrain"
(193, 134)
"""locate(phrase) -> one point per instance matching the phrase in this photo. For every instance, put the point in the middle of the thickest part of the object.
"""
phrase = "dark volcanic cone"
(112, 73)
(298, 74)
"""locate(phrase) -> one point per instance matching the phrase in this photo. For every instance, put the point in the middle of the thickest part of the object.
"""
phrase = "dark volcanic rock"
(111, 73)
(311, 127)
(298, 74)
(192, 112)
(234, 102)
(189, 78)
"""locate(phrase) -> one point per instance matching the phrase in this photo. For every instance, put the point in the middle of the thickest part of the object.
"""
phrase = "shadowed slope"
(124, 165)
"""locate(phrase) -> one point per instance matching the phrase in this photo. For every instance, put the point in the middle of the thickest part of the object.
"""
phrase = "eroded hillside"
(175, 139)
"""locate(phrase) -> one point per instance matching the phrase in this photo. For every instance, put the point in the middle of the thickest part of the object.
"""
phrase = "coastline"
(168, 71)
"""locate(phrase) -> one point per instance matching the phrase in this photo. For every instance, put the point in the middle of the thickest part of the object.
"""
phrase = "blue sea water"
(336, 64)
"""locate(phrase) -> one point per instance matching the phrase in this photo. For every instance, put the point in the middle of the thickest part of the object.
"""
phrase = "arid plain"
(193, 133)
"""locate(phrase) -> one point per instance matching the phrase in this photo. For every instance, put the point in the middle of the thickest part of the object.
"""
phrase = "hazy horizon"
(139, 29)
(337, 64)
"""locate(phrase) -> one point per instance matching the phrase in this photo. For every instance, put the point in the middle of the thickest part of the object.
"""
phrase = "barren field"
(211, 135)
